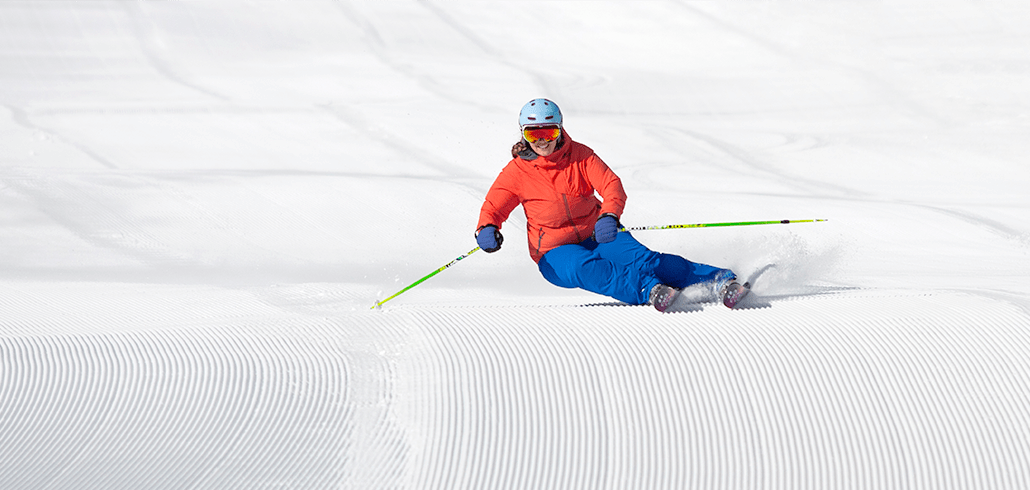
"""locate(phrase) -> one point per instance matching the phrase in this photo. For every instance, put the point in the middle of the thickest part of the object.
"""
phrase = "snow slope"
(202, 201)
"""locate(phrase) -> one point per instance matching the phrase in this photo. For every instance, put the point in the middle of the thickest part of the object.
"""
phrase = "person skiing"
(575, 238)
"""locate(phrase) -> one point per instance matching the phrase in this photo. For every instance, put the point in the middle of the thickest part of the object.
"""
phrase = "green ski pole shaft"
(710, 225)
(420, 281)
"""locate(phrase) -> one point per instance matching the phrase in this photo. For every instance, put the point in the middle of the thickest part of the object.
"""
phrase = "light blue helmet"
(539, 112)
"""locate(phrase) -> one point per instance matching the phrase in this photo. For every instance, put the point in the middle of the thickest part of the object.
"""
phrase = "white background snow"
(201, 201)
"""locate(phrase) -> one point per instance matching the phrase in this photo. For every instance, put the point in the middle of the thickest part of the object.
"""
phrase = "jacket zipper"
(539, 240)
(568, 214)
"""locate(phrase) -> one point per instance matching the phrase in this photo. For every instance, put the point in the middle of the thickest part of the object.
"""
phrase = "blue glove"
(489, 238)
(606, 228)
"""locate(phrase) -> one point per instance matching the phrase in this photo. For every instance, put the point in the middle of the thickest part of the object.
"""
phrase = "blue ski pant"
(622, 269)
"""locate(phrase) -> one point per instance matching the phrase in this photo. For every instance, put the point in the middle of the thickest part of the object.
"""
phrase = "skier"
(573, 237)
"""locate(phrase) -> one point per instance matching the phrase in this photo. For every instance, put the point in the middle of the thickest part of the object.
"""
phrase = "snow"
(201, 202)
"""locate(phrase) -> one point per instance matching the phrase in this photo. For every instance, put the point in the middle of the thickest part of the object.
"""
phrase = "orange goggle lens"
(546, 133)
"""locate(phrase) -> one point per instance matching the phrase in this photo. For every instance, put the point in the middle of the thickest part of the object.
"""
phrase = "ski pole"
(420, 281)
(707, 225)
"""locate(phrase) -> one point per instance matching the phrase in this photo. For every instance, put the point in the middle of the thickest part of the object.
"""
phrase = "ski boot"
(662, 296)
(733, 292)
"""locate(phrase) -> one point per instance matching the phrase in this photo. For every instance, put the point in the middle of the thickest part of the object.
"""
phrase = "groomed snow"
(200, 203)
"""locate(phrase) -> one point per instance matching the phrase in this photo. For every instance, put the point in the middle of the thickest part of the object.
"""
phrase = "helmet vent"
(539, 111)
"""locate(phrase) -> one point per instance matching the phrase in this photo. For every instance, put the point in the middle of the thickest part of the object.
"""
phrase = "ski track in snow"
(838, 389)
(149, 392)
(761, 398)
(155, 396)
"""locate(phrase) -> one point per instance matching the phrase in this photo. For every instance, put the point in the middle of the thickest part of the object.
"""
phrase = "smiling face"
(544, 148)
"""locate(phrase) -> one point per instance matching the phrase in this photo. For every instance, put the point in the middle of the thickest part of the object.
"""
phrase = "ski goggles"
(537, 133)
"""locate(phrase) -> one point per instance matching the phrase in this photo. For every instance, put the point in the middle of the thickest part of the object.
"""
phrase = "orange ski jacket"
(557, 194)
